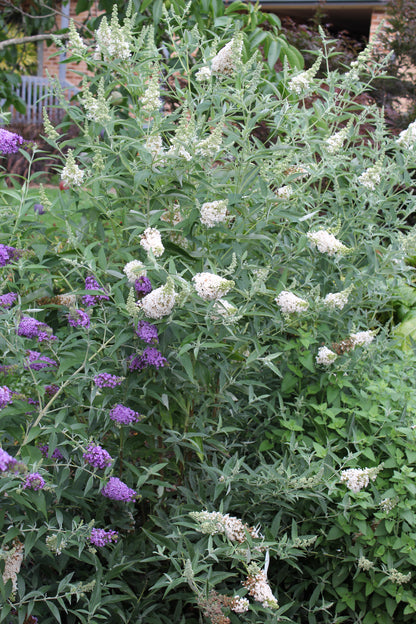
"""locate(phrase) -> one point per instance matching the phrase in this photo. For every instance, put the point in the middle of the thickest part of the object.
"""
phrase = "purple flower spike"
(97, 457)
(34, 481)
(8, 254)
(44, 449)
(39, 208)
(143, 286)
(51, 389)
(147, 332)
(6, 460)
(101, 537)
(10, 142)
(32, 328)
(79, 318)
(105, 380)
(7, 300)
(124, 415)
(149, 357)
(5, 396)
(92, 284)
(117, 490)
(36, 361)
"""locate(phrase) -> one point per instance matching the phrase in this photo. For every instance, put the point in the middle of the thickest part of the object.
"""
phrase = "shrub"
(200, 403)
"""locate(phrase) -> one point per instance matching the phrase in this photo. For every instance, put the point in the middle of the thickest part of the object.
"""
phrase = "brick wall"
(51, 60)
(377, 16)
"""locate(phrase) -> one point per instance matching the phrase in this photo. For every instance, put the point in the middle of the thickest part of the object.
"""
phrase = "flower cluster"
(51, 389)
(149, 357)
(154, 145)
(213, 213)
(203, 74)
(5, 396)
(210, 286)
(289, 303)
(97, 457)
(36, 361)
(407, 138)
(337, 300)
(362, 338)
(159, 302)
(211, 145)
(92, 284)
(10, 142)
(75, 44)
(142, 286)
(151, 241)
(302, 81)
(213, 522)
(239, 604)
(259, 588)
(113, 40)
(285, 192)
(358, 478)
(325, 242)
(101, 537)
(387, 504)
(225, 309)
(34, 481)
(6, 460)
(227, 59)
(115, 489)
(365, 564)
(147, 332)
(172, 214)
(151, 98)
(7, 300)
(397, 577)
(44, 449)
(371, 177)
(124, 415)
(335, 142)
(96, 108)
(39, 209)
(8, 254)
(71, 174)
(13, 559)
(79, 318)
(32, 328)
(133, 270)
(325, 356)
(105, 380)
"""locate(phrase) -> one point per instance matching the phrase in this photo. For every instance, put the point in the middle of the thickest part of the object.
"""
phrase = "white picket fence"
(37, 93)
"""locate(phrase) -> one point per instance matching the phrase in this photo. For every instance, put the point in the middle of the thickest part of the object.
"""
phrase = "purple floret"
(143, 286)
(8, 254)
(6, 460)
(32, 328)
(124, 415)
(79, 318)
(105, 380)
(147, 332)
(36, 361)
(97, 456)
(117, 490)
(101, 537)
(7, 300)
(34, 481)
(149, 357)
(39, 208)
(10, 142)
(5, 396)
(92, 284)
(51, 389)
(44, 449)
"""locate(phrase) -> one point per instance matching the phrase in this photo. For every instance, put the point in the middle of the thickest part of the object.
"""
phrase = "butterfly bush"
(221, 272)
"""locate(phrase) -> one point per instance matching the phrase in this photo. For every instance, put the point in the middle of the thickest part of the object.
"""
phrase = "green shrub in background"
(204, 412)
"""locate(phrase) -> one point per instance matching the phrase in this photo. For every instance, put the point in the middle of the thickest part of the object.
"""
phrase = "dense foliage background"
(200, 336)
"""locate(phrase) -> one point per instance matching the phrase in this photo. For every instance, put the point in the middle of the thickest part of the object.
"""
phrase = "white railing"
(37, 93)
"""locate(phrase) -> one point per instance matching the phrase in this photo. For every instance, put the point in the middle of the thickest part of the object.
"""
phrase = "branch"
(29, 39)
